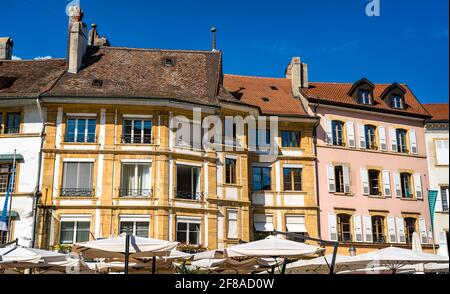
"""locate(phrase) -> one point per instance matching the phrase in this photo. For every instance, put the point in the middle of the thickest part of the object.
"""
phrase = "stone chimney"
(6, 48)
(94, 39)
(77, 39)
(298, 73)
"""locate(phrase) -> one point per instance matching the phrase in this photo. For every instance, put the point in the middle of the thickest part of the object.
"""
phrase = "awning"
(296, 224)
(263, 223)
(10, 158)
(14, 215)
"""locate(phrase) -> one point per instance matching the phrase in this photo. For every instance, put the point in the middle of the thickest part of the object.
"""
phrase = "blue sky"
(408, 43)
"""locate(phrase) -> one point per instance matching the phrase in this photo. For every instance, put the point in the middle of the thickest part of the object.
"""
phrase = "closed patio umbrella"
(417, 246)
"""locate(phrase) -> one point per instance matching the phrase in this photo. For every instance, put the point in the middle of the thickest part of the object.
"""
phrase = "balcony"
(77, 192)
(146, 139)
(135, 193)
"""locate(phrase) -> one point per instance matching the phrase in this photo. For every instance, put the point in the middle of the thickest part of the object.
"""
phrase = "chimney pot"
(6, 48)
(214, 42)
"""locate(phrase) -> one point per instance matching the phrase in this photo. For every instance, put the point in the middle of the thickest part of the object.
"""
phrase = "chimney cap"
(213, 29)
(94, 25)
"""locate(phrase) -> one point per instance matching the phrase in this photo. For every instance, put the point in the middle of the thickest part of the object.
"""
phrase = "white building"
(437, 134)
(21, 124)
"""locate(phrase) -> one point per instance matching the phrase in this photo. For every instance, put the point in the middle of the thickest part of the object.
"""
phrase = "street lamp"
(352, 250)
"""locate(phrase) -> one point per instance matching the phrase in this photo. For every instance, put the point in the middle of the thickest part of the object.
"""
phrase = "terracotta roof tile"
(142, 73)
(276, 91)
(28, 78)
(438, 111)
(337, 93)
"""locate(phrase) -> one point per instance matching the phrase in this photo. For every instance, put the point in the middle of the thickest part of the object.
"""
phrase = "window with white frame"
(137, 131)
(188, 182)
(365, 96)
(6, 180)
(441, 147)
(74, 230)
(232, 226)
(397, 101)
(77, 179)
(188, 231)
(81, 130)
(444, 198)
(135, 180)
(137, 225)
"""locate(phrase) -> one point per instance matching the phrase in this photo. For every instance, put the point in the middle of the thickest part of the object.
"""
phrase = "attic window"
(274, 88)
(397, 101)
(6, 82)
(365, 96)
(169, 61)
(265, 99)
(97, 83)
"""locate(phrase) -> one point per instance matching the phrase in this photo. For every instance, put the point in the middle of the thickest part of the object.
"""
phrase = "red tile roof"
(252, 90)
(337, 93)
(142, 73)
(28, 78)
(438, 111)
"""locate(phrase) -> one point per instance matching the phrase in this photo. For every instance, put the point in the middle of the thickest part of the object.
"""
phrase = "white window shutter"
(413, 141)
(401, 230)
(331, 182)
(393, 138)
(365, 181)
(351, 134)
(382, 136)
(362, 136)
(443, 244)
(358, 228)
(418, 185)
(386, 184)
(328, 132)
(423, 231)
(346, 171)
(232, 224)
(391, 229)
(442, 152)
(368, 228)
(332, 225)
(438, 207)
(397, 185)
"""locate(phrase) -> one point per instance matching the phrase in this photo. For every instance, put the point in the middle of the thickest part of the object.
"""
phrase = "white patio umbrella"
(16, 255)
(394, 258)
(272, 247)
(319, 265)
(417, 246)
(407, 269)
(140, 248)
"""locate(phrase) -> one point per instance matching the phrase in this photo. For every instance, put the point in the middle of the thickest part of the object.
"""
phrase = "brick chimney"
(95, 39)
(77, 39)
(6, 48)
(298, 73)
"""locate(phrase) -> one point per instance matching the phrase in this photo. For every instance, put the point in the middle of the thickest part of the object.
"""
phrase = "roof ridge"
(34, 60)
(256, 77)
(158, 49)
(348, 83)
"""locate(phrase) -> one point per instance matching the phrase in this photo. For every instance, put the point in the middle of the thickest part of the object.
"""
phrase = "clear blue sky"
(408, 43)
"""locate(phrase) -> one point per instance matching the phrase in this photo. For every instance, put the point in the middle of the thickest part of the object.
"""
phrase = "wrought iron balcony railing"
(138, 193)
(12, 130)
(146, 139)
(77, 192)
(189, 195)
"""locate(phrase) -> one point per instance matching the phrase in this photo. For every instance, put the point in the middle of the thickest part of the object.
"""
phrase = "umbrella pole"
(153, 265)
(127, 252)
(283, 269)
(333, 260)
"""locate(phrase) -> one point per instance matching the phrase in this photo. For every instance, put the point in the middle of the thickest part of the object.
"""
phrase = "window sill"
(137, 144)
(77, 198)
(81, 143)
(376, 196)
(409, 199)
(294, 192)
(232, 185)
(344, 194)
(187, 200)
(19, 135)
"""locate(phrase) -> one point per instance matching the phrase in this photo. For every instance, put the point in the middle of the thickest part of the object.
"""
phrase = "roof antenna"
(213, 31)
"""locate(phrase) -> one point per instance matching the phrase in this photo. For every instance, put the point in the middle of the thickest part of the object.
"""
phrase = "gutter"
(316, 170)
(37, 192)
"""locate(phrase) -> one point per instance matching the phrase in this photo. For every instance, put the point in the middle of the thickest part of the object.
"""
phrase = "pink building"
(372, 165)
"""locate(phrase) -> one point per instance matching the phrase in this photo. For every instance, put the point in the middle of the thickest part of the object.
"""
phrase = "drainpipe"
(37, 192)
(316, 167)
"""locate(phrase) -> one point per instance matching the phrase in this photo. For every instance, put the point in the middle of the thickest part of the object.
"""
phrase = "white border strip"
(188, 163)
(136, 161)
(81, 114)
(78, 159)
(142, 116)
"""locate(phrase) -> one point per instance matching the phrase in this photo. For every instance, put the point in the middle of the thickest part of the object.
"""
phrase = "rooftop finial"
(213, 31)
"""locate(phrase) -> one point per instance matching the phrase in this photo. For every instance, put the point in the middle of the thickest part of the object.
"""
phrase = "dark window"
(267, 137)
(4, 234)
(410, 228)
(397, 101)
(290, 139)
(188, 182)
(80, 130)
(13, 123)
(344, 227)
(370, 134)
(337, 127)
(339, 178)
(444, 198)
(230, 169)
(72, 232)
(137, 132)
(6, 179)
(365, 96)
(169, 61)
(378, 229)
(188, 233)
(140, 229)
(261, 178)
(401, 141)
(292, 179)
(374, 182)
(97, 83)
(405, 180)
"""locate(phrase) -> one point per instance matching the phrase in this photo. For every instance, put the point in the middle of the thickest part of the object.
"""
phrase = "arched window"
(410, 228)
(337, 130)
(344, 227)
(378, 229)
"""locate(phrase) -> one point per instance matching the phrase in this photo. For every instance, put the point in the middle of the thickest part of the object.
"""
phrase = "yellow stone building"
(114, 160)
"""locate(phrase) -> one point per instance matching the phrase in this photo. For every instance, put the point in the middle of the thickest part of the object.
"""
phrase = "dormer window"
(397, 101)
(364, 96)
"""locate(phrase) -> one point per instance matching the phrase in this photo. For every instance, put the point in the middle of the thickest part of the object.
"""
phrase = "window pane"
(287, 179)
(266, 178)
(85, 175)
(70, 175)
(83, 231)
(66, 235)
(91, 130)
(257, 184)
(230, 171)
(70, 134)
(297, 179)
(138, 127)
(81, 130)
(126, 227)
(128, 177)
(142, 229)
